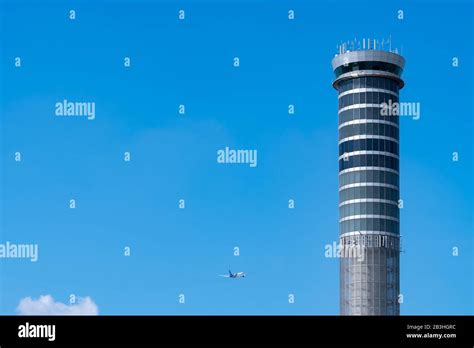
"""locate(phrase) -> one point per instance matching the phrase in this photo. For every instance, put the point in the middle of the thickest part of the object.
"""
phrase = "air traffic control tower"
(369, 218)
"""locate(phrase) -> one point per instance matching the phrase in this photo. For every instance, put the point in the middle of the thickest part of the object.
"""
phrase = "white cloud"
(46, 305)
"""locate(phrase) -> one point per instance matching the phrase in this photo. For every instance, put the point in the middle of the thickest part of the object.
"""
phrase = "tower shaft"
(369, 176)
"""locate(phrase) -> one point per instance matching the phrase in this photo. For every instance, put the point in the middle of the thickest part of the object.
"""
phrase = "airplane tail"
(230, 273)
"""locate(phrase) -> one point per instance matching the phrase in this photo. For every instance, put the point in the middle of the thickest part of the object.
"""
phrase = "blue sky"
(190, 62)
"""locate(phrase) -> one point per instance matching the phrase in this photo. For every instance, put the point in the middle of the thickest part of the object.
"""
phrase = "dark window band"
(371, 113)
(366, 98)
(369, 161)
(368, 145)
(359, 192)
(370, 128)
(376, 176)
(369, 208)
(370, 225)
(370, 65)
(368, 82)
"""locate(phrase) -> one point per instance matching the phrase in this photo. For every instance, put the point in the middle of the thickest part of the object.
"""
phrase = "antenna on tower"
(366, 44)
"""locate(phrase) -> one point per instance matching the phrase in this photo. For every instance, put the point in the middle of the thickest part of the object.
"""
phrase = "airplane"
(234, 275)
